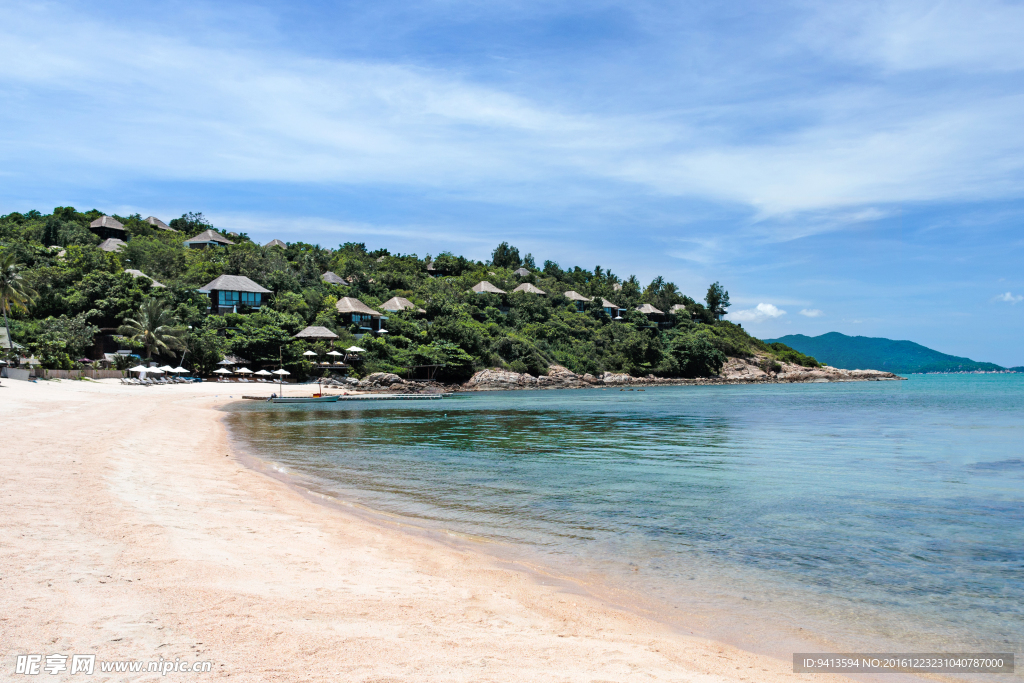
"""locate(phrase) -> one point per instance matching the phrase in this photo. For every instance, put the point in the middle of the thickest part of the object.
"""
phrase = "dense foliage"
(81, 291)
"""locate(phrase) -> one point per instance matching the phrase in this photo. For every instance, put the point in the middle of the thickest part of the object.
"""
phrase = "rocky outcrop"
(735, 371)
(494, 380)
(378, 380)
(558, 377)
(738, 369)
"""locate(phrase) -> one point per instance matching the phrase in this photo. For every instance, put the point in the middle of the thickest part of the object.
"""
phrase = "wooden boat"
(303, 399)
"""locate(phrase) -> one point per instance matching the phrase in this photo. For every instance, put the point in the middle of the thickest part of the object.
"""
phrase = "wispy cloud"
(761, 312)
(1009, 298)
(812, 312)
(172, 109)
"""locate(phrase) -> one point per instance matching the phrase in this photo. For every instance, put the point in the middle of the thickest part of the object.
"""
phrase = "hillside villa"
(228, 292)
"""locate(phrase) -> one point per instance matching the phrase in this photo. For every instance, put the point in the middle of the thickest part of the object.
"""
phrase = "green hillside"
(877, 353)
(95, 284)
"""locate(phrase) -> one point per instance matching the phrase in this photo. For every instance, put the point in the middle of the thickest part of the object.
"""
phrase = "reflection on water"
(891, 509)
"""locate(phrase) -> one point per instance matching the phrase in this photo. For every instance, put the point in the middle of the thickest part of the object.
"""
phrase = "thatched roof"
(575, 296)
(234, 283)
(649, 309)
(676, 308)
(617, 286)
(111, 244)
(398, 303)
(607, 304)
(316, 332)
(521, 272)
(276, 243)
(348, 304)
(528, 288)
(207, 236)
(159, 224)
(332, 278)
(430, 265)
(138, 273)
(107, 222)
(484, 286)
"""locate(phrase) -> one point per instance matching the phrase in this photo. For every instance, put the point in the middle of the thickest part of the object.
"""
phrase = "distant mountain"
(876, 353)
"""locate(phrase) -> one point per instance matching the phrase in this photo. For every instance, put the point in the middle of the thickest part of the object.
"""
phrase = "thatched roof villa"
(228, 292)
(611, 309)
(332, 278)
(529, 289)
(399, 303)
(485, 287)
(316, 332)
(207, 239)
(648, 309)
(138, 273)
(159, 224)
(355, 311)
(107, 227)
(275, 243)
(578, 298)
(111, 244)
(520, 272)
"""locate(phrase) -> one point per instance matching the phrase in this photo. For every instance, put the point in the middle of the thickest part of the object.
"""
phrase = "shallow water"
(878, 514)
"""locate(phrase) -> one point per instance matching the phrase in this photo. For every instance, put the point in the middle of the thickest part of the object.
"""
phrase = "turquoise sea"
(879, 516)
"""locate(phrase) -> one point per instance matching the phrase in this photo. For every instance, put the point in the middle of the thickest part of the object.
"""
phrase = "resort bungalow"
(651, 312)
(332, 278)
(485, 287)
(316, 333)
(577, 298)
(611, 309)
(159, 224)
(107, 227)
(354, 311)
(228, 292)
(529, 289)
(275, 243)
(207, 239)
(521, 272)
(138, 273)
(398, 303)
(680, 310)
(111, 244)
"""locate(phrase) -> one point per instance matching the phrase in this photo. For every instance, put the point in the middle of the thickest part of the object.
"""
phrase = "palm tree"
(154, 328)
(15, 292)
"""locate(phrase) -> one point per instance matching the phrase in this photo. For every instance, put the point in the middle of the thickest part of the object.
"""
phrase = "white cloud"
(760, 312)
(169, 108)
(812, 312)
(1010, 298)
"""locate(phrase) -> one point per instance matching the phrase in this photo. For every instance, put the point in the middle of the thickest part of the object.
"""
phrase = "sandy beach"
(131, 531)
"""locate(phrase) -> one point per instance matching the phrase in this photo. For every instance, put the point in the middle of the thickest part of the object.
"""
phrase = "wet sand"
(130, 530)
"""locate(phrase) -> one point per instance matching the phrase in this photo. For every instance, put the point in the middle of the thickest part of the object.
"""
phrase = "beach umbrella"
(281, 372)
(221, 371)
(154, 371)
(243, 371)
(226, 362)
(355, 349)
(382, 331)
(334, 353)
(167, 368)
(262, 373)
(309, 353)
(179, 370)
(138, 368)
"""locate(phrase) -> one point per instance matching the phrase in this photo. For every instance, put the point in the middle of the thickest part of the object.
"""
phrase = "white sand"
(129, 530)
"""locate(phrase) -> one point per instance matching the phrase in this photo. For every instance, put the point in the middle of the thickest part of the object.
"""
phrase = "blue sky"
(856, 167)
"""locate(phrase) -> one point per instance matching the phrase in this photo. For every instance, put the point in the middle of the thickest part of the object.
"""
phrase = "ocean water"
(880, 516)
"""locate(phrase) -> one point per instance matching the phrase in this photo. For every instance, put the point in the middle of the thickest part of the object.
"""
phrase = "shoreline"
(140, 535)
